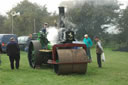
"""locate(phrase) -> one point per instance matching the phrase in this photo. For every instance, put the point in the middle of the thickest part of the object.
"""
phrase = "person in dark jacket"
(0, 48)
(13, 51)
(99, 51)
(0, 53)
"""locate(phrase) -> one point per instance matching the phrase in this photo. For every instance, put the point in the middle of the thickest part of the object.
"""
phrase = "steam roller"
(65, 56)
(69, 60)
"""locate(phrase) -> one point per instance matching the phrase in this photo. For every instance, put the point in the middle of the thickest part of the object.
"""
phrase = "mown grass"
(114, 72)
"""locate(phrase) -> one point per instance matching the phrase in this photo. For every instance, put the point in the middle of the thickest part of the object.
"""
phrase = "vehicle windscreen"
(6, 38)
(22, 39)
(1, 38)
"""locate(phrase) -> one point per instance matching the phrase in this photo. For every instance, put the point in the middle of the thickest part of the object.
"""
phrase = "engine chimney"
(61, 17)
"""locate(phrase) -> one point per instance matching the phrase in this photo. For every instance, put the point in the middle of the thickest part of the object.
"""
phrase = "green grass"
(114, 72)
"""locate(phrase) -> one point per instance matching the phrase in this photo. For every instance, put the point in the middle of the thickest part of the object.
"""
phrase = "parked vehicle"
(23, 42)
(4, 39)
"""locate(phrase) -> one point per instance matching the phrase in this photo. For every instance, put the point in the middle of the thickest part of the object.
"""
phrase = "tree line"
(88, 17)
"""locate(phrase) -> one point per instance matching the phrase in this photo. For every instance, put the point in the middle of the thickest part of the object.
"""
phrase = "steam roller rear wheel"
(34, 54)
(72, 59)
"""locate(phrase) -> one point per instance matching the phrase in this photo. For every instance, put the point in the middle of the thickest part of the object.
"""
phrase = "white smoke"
(73, 3)
(52, 35)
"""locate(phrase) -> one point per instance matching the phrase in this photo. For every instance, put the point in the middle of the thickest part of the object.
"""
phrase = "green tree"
(30, 14)
(2, 21)
(123, 25)
(90, 18)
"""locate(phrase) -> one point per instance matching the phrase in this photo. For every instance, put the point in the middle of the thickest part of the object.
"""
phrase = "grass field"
(114, 72)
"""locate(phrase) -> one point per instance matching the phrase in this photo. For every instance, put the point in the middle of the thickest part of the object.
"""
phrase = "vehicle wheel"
(34, 54)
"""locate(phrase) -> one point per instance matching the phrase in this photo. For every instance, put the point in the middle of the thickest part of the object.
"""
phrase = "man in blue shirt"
(44, 29)
(88, 43)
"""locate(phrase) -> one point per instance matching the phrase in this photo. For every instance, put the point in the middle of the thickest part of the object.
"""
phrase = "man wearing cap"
(88, 43)
(44, 29)
(99, 50)
(13, 52)
(0, 53)
(0, 48)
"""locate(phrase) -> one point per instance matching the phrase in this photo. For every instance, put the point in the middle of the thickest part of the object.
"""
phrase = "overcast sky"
(6, 5)
(52, 5)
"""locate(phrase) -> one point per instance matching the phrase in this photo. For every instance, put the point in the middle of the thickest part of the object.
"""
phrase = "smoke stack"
(61, 11)
(61, 17)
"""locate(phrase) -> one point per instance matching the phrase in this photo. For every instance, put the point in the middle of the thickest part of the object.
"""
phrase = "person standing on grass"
(88, 42)
(0, 53)
(13, 51)
(0, 48)
(99, 51)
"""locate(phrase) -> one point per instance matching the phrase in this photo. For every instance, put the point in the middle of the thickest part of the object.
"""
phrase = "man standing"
(44, 29)
(99, 51)
(88, 43)
(13, 52)
(0, 48)
(0, 53)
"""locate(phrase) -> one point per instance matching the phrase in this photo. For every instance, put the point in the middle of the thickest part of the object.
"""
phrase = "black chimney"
(61, 17)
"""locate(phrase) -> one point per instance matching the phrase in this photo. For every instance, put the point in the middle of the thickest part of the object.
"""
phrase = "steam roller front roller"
(71, 61)
(34, 54)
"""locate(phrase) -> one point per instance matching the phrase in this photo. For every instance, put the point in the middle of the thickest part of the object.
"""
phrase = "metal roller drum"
(79, 56)
(64, 56)
(71, 61)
